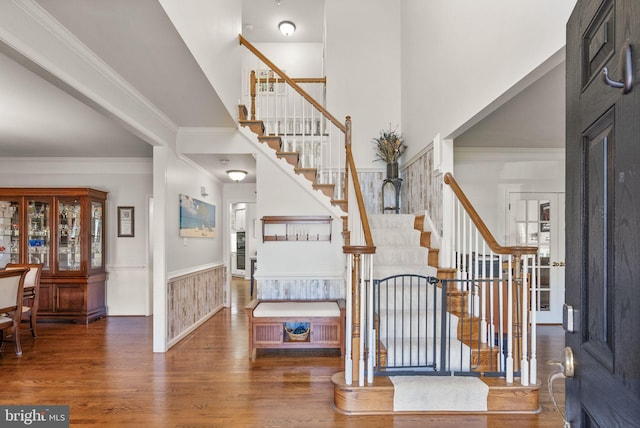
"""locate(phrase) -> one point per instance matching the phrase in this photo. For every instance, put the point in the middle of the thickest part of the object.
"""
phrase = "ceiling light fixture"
(287, 28)
(237, 175)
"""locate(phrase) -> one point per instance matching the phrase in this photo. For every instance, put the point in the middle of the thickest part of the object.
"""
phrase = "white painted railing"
(287, 113)
(496, 281)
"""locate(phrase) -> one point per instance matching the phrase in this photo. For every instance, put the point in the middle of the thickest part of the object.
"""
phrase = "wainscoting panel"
(422, 190)
(301, 289)
(192, 298)
(371, 187)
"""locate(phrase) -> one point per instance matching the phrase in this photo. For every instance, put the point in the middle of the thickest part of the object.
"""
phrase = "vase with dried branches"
(388, 146)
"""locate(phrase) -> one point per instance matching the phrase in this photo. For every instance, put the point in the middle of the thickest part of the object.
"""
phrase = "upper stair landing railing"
(502, 295)
(293, 111)
(303, 121)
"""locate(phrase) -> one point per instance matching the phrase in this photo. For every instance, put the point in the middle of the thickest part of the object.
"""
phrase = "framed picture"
(126, 222)
(197, 218)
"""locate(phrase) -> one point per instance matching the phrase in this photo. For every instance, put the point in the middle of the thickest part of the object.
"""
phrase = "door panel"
(603, 215)
(537, 219)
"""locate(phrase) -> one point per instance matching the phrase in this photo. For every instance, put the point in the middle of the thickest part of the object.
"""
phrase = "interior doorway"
(537, 219)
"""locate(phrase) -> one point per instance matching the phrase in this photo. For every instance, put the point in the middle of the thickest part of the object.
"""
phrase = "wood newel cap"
(355, 249)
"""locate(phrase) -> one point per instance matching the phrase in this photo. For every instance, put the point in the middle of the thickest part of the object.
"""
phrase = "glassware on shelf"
(69, 247)
(9, 236)
(38, 232)
(96, 235)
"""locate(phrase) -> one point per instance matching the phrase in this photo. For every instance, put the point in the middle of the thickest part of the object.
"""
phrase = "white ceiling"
(535, 117)
(260, 19)
(42, 117)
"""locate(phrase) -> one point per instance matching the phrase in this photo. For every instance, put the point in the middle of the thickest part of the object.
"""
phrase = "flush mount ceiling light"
(287, 27)
(236, 174)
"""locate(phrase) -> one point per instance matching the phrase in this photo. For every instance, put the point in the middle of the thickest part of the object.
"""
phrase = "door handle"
(627, 83)
(566, 363)
(567, 367)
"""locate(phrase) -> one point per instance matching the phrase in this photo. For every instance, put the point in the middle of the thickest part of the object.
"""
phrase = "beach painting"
(197, 218)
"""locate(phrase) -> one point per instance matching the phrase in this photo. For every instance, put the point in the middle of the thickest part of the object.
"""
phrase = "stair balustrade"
(494, 285)
(289, 114)
(491, 282)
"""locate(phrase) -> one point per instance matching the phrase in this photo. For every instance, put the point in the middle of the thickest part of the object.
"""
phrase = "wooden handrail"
(322, 80)
(368, 239)
(350, 168)
(292, 83)
(484, 231)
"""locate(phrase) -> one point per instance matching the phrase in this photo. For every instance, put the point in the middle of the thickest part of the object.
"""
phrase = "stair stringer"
(428, 226)
(299, 179)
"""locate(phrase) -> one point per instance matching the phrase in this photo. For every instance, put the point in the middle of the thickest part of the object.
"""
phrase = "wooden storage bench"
(268, 321)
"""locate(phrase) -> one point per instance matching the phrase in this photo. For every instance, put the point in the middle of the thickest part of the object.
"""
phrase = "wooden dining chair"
(11, 295)
(31, 293)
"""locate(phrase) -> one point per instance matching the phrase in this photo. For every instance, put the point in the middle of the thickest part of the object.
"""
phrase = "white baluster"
(510, 322)
(534, 327)
(524, 326)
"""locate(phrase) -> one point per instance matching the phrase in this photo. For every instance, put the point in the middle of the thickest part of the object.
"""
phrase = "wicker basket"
(297, 337)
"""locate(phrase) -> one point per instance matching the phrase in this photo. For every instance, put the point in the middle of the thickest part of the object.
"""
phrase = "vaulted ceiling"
(42, 116)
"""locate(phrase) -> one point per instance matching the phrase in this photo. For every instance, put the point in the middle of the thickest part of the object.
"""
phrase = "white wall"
(172, 254)
(129, 183)
(187, 254)
(363, 68)
(210, 29)
(458, 56)
(295, 59)
(488, 175)
(279, 195)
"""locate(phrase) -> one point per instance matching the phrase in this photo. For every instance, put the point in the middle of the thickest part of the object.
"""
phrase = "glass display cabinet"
(63, 229)
(9, 231)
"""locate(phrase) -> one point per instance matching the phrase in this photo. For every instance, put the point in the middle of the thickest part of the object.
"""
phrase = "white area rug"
(445, 393)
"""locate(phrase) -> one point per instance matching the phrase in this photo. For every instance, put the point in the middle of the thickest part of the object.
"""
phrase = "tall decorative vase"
(392, 170)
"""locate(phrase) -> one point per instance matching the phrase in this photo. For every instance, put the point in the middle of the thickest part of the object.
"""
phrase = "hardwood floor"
(108, 375)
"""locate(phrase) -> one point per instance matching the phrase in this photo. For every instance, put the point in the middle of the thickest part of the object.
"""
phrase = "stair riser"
(309, 175)
(434, 257)
(401, 256)
(274, 143)
(398, 238)
(257, 127)
(396, 221)
(425, 239)
(327, 190)
(291, 158)
(456, 304)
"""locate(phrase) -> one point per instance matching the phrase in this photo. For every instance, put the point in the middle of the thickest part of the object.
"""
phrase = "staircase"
(405, 249)
(274, 142)
(402, 248)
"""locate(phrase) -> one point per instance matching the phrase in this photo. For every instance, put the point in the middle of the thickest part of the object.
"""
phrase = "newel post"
(355, 321)
(252, 91)
(347, 147)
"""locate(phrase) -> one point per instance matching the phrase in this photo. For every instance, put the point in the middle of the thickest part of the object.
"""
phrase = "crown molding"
(60, 57)
(75, 166)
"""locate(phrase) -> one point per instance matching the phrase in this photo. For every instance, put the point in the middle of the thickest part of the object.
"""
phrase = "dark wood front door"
(603, 213)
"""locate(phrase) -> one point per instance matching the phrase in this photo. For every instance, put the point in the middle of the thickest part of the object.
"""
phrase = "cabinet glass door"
(38, 232)
(9, 232)
(69, 243)
(96, 235)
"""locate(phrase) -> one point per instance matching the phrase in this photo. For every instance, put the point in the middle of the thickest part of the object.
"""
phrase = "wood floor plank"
(108, 375)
